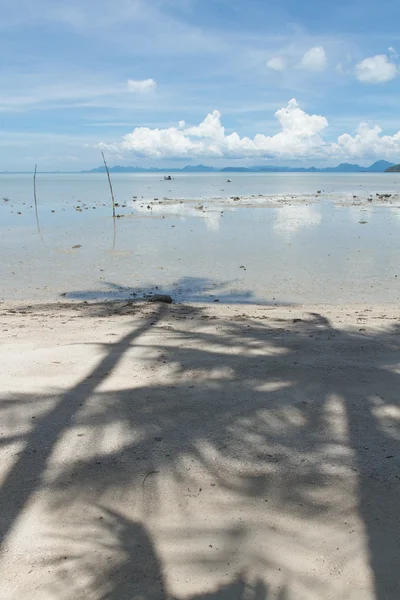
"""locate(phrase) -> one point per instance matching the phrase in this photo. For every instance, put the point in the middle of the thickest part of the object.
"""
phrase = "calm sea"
(93, 187)
(281, 242)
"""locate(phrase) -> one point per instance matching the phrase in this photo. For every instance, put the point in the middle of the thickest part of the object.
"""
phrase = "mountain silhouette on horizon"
(379, 166)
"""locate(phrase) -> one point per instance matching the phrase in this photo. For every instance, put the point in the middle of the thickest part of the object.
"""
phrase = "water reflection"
(298, 252)
(396, 211)
(291, 218)
(210, 215)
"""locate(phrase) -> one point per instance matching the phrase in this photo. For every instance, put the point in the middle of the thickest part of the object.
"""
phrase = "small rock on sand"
(165, 298)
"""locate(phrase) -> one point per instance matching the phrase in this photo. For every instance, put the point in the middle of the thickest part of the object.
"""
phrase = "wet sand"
(199, 451)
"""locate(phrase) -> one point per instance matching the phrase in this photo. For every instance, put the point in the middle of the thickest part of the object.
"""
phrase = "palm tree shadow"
(189, 289)
(120, 561)
(255, 404)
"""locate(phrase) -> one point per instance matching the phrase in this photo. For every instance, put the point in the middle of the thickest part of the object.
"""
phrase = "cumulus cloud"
(367, 141)
(314, 59)
(300, 136)
(141, 86)
(376, 69)
(277, 63)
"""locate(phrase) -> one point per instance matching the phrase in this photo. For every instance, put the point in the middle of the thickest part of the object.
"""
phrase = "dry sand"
(199, 452)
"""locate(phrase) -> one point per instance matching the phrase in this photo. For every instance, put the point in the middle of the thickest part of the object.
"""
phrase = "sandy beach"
(199, 451)
(199, 300)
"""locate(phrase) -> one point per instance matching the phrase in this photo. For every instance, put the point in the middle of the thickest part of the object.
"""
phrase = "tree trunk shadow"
(24, 478)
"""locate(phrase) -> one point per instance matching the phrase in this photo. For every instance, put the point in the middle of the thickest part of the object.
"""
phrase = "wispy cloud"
(75, 93)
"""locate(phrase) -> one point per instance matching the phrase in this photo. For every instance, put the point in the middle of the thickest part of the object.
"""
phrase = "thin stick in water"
(114, 233)
(110, 184)
(36, 206)
(34, 187)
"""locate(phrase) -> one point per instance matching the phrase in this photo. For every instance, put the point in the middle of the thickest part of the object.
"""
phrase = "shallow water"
(328, 248)
(90, 187)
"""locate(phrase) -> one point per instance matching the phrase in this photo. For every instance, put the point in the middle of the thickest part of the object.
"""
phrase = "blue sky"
(161, 82)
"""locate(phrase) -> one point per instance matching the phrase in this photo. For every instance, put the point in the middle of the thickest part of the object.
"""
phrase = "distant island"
(381, 166)
(393, 169)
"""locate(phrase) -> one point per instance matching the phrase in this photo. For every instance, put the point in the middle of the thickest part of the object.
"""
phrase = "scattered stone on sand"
(164, 298)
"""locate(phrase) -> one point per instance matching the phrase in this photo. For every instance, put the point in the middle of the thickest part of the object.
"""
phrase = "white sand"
(204, 452)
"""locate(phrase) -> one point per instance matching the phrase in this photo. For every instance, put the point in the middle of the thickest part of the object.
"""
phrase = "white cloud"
(314, 59)
(300, 136)
(277, 63)
(141, 86)
(367, 141)
(376, 69)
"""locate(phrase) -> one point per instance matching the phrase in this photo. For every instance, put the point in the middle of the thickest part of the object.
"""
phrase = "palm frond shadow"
(187, 289)
(248, 407)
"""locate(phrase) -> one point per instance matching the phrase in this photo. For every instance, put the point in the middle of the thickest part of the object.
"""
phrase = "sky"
(216, 82)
